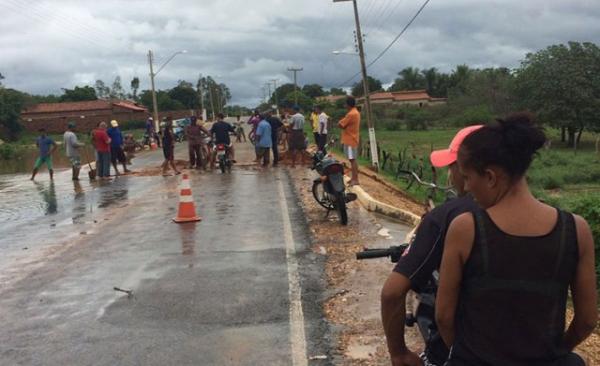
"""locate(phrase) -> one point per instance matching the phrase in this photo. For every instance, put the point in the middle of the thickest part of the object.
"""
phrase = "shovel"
(92, 172)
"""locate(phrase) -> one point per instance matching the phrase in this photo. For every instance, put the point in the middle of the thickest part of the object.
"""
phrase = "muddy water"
(23, 162)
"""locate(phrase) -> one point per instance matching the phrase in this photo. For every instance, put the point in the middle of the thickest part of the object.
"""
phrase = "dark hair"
(351, 102)
(193, 119)
(509, 143)
(220, 115)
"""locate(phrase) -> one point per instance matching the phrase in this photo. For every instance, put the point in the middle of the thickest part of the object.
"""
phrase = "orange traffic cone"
(187, 209)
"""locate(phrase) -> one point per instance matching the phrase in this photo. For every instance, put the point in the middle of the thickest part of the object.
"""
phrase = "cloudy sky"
(49, 45)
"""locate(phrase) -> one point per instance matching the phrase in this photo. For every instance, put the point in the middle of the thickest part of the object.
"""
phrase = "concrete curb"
(373, 205)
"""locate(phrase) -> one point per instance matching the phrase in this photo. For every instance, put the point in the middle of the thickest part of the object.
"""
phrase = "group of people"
(506, 261)
(109, 143)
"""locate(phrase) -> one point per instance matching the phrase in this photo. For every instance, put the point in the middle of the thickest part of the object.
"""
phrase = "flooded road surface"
(238, 288)
(24, 159)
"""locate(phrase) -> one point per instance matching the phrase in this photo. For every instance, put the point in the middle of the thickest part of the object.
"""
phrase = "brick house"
(54, 117)
(408, 97)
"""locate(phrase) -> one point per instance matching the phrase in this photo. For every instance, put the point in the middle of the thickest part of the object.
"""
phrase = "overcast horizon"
(49, 45)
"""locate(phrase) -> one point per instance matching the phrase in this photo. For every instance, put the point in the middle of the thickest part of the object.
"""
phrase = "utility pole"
(268, 85)
(154, 104)
(274, 81)
(363, 67)
(295, 71)
(201, 96)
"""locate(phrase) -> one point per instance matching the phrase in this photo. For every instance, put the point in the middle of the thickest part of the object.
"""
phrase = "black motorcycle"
(329, 189)
(436, 351)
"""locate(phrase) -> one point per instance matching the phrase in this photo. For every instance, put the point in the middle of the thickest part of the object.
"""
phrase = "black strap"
(481, 235)
(562, 218)
(553, 288)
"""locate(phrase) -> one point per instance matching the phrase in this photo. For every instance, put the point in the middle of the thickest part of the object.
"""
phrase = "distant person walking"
(117, 154)
(264, 141)
(276, 126)
(151, 132)
(254, 121)
(314, 119)
(46, 147)
(168, 146)
(239, 130)
(102, 144)
(72, 146)
(323, 121)
(296, 142)
(195, 134)
(350, 126)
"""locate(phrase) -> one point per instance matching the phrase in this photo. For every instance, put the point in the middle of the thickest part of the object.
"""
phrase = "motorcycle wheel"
(228, 166)
(341, 208)
(321, 196)
(222, 166)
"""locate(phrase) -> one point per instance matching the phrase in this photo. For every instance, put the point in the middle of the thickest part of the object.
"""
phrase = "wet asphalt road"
(219, 292)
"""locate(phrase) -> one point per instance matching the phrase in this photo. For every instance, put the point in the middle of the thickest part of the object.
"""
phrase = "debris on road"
(128, 292)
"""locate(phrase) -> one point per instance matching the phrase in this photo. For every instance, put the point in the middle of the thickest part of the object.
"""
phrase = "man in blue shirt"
(116, 147)
(46, 146)
(264, 141)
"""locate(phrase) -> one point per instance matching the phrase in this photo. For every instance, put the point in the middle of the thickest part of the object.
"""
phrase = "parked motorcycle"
(223, 158)
(329, 189)
(436, 351)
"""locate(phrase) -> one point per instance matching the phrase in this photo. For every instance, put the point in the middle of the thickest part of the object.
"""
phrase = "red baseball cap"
(442, 158)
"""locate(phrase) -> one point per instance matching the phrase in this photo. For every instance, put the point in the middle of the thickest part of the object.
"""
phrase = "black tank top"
(513, 296)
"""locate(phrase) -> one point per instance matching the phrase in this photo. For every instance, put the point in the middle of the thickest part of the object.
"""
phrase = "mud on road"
(353, 287)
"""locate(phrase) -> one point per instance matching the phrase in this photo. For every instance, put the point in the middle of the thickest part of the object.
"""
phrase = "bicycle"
(432, 188)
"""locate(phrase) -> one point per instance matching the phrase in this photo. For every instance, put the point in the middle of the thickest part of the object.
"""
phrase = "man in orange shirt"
(350, 135)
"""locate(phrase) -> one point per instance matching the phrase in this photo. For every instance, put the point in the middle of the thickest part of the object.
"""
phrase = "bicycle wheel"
(321, 196)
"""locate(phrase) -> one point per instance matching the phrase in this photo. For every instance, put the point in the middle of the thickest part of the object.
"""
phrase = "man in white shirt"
(323, 121)
(72, 146)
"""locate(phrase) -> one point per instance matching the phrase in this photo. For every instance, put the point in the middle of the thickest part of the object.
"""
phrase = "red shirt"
(101, 140)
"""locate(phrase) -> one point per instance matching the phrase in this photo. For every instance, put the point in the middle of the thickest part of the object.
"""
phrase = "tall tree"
(185, 93)
(135, 85)
(373, 84)
(337, 91)
(102, 91)
(1, 78)
(11, 103)
(117, 91)
(562, 84)
(313, 90)
(410, 78)
(78, 94)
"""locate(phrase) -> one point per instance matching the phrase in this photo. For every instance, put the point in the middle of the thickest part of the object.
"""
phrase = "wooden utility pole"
(363, 68)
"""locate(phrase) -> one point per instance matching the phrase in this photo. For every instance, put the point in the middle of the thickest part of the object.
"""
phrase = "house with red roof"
(407, 97)
(54, 117)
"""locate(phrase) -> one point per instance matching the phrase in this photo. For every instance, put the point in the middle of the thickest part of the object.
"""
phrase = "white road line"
(297, 335)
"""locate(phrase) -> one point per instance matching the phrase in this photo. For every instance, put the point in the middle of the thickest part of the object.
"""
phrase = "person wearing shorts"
(350, 126)
(296, 142)
(72, 146)
(46, 146)
(117, 154)
(264, 141)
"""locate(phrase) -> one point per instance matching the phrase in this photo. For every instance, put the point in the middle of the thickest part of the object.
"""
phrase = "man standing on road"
(102, 145)
(239, 130)
(150, 132)
(194, 133)
(296, 142)
(350, 126)
(264, 141)
(220, 130)
(117, 154)
(314, 119)
(72, 146)
(424, 256)
(276, 125)
(47, 146)
(323, 120)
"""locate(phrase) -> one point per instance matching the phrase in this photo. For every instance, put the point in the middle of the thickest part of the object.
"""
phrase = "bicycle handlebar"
(394, 252)
(423, 183)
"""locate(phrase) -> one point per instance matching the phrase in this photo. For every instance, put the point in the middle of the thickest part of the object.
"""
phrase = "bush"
(391, 124)
(133, 125)
(472, 116)
(417, 118)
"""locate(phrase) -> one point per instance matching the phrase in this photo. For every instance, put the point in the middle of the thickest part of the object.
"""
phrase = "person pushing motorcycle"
(220, 132)
(420, 260)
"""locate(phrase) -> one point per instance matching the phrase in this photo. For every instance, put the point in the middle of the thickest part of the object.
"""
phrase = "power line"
(391, 43)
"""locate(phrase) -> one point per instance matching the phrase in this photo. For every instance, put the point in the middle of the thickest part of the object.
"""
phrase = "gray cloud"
(48, 45)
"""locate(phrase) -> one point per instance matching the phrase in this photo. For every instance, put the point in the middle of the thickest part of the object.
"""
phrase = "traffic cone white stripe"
(185, 184)
(186, 199)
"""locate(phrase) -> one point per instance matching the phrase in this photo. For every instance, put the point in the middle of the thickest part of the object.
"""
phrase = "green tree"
(410, 78)
(117, 91)
(135, 86)
(78, 94)
(185, 93)
(373, 84)
(281, 92)
(11, 103)
(337, 91)
(102, 91)
(313, 90)
(562, 84)
(304, 101)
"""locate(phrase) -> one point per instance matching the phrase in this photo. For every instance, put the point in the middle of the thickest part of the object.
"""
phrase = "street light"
(152, 75)
(345, 53)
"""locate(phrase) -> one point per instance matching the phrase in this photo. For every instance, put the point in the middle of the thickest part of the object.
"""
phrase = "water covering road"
(239, 288)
